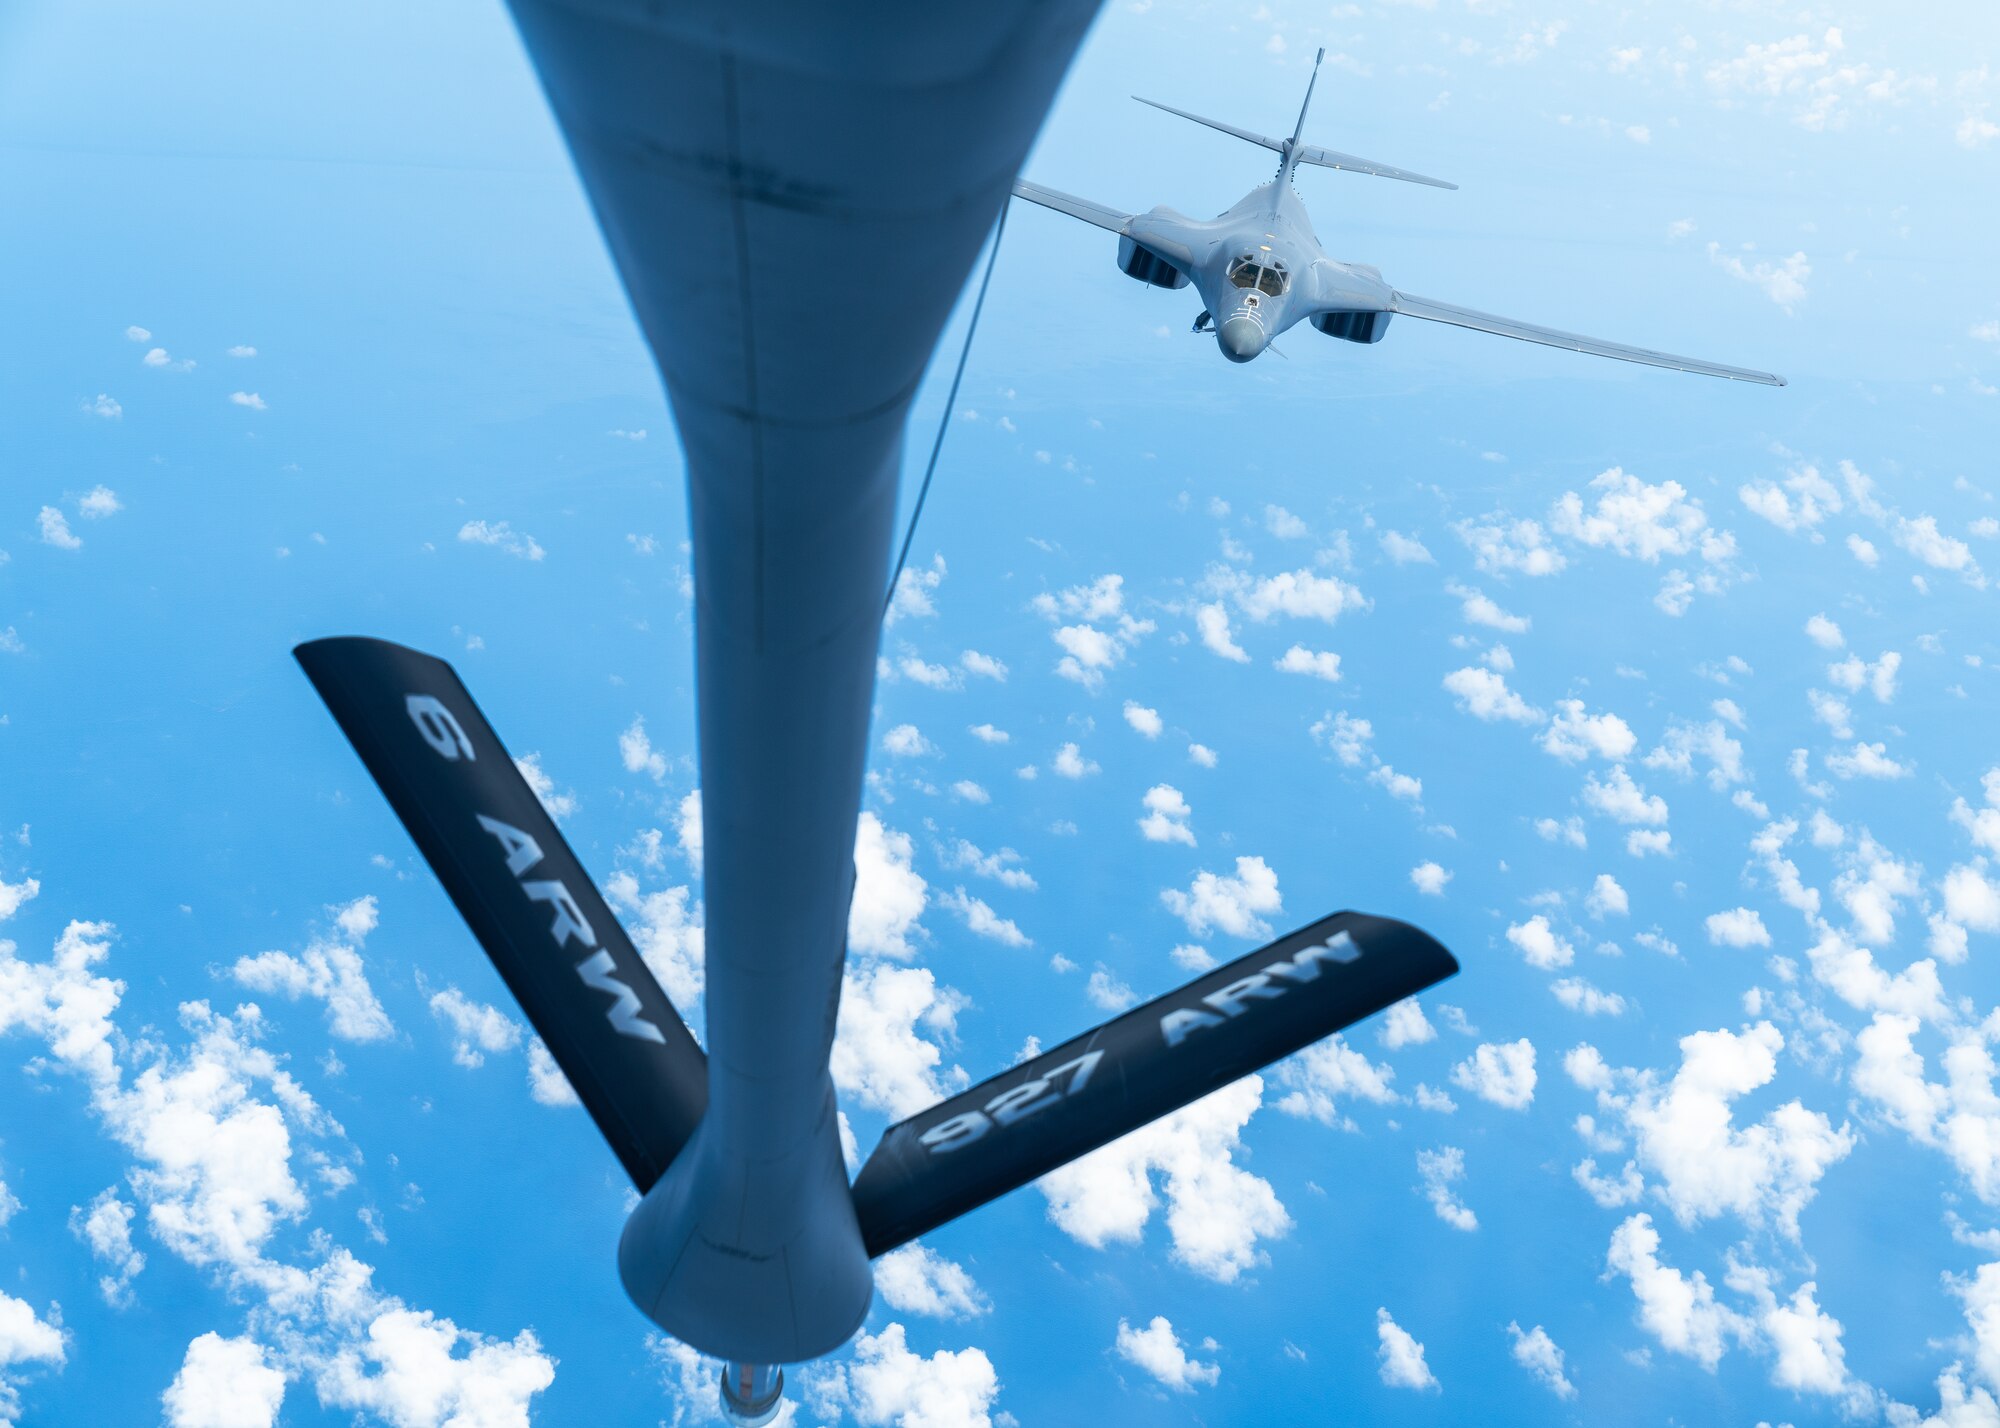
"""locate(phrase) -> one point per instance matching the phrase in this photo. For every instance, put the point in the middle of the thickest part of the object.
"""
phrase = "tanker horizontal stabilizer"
(1156, 1058)
(584, 987)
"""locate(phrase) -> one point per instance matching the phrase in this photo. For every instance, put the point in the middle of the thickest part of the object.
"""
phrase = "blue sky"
(1665, 703)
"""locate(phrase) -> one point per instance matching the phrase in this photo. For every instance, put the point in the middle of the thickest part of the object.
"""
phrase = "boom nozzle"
(752, 1394)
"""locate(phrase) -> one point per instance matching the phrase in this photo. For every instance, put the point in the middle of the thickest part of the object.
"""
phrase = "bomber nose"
(1240, 339)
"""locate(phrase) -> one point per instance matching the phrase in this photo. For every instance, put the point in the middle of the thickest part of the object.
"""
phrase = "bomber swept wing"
(1550, 337)
(1097, 213)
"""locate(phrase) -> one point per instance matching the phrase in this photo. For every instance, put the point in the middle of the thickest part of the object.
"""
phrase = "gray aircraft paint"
(794, 194)
(1344, 299)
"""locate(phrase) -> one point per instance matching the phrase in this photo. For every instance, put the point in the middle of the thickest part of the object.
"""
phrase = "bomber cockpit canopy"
(1262, 271)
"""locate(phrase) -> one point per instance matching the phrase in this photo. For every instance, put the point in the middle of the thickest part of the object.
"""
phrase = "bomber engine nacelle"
(1353, 326)
(1136, 260)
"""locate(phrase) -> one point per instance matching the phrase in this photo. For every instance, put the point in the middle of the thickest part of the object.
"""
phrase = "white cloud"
(1608, 1193)
(914, 589)
(97, 503)
(1709, 741)
(243, 349)
(930, 676)
(1202, 754)
(886, 1383)
(987, 734)
(1500, 1072)
(879, 1057)
(1167, 814)
(1622, 800)
(1070, 762)
(1283, 524)
(212, 1172)
(1568, 830)
(1087, 649)
(1879, 678)
(1347, 736)
(1216, 1211)
(1681, 1312)
(1540, 945)
(1501, 546)
(1636, 520)
(224, 1383)
(1536, 1352)
(1321, 664)
(503, 537)
(1212, 621)
(1867, 761)
(1805, 1340)
(1922, 538)
(1404, 786)
(688, 829)
(258, 404)
(982, 920)
(106, 1227)
(1641, 843)
(1234, 905)
(1579, 995)
(1573, 735)
(1296, 594)
(476, 1028)
(135, 333)
(1738, 927)
(1401, 1357)
(916, 1279)
(26, 1339)
(1004, 867)
(1478, 608)
(905, 742)
(329, 970)
(546, 1083)
(888, 892)
(1158, 1351)
(56, 531)
(1405, 550)
(666, 927)
(1319, 1076)
(558, 805)
(1429, 878)
(1783, 282)
(1146, 721)
(1824, 633)
(984, 666)
(1607, 898)
(637, 751)
(1440, 1170)
(1405, 1024)
(1797, 505)
(1765, 1172)
(106, 406)
(1484, 694)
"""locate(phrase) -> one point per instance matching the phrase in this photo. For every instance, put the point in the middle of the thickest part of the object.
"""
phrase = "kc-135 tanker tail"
(636, 1066)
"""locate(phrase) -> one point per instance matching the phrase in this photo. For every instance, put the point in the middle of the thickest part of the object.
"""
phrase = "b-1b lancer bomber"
(1260, 269)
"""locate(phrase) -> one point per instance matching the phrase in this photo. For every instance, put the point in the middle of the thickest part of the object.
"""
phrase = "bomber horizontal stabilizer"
(1156, 1058)
(1305, 153)
(625, 1050)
